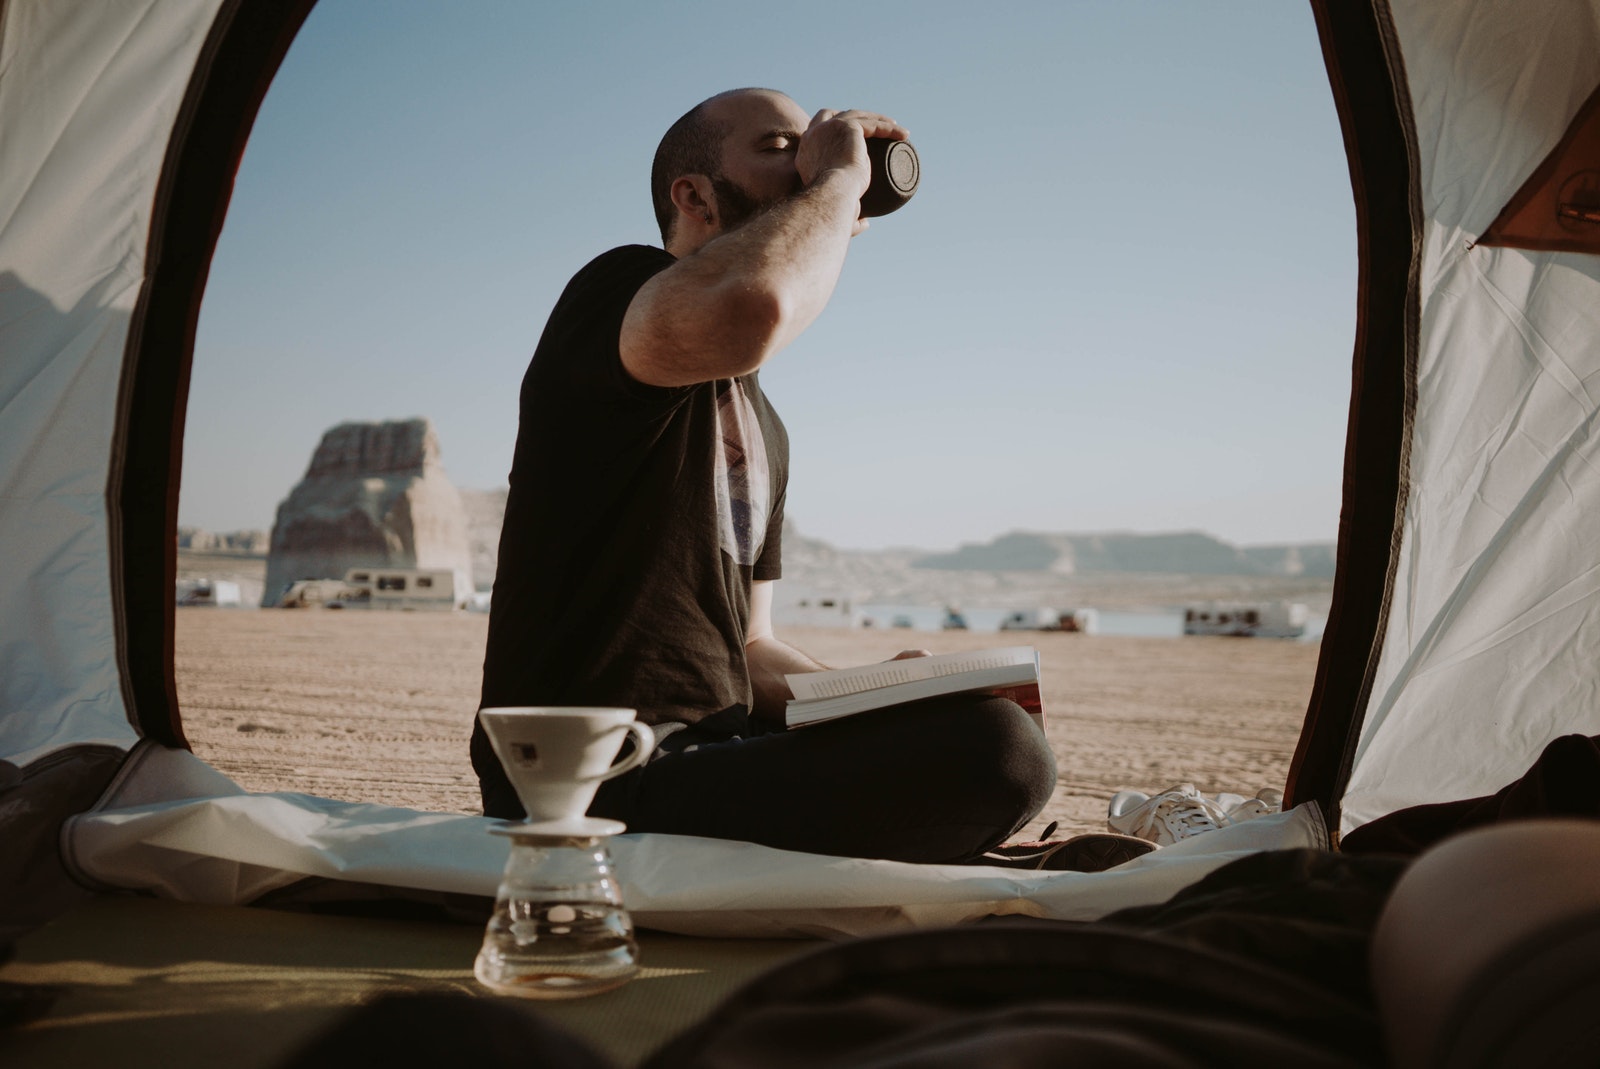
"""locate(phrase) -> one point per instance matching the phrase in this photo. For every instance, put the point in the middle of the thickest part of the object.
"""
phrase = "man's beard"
(736, 207)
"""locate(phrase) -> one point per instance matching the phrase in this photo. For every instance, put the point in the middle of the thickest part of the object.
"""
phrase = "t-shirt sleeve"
(769, 565)
(581, 345)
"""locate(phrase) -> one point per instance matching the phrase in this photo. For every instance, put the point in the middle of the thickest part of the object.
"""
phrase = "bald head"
(693, 145)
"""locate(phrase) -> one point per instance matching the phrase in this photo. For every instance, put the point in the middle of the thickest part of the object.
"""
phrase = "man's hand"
(731, 302)
(906, 655)
(836, 141)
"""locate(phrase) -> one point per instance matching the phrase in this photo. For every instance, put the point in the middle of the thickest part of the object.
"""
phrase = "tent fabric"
(123, 124)
(1558, 208)
(1563, 782)
(34, 886)
(1461, 636)
(87, 105)
(173, 826)
(1029, 994)
(1493, 625)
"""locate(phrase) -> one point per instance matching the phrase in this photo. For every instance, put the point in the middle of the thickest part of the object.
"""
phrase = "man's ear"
(693, 196)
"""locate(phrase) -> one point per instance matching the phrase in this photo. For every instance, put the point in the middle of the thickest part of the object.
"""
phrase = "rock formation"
(375, 495)
(1315, 560)
(486, 510)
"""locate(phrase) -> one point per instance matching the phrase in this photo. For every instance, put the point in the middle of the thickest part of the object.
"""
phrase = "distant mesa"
(375, 495)
(1177, 553)
(1315, 560)
(230, 543)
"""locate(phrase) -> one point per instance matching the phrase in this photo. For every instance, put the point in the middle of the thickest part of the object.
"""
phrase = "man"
(643, 525)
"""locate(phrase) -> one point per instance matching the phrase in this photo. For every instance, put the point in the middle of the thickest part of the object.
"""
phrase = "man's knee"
(989, 750)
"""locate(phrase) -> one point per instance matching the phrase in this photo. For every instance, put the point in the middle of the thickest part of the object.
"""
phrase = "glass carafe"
(559, 928)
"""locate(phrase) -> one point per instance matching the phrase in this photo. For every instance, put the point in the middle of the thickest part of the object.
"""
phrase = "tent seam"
(182, 128)
(1384, 19)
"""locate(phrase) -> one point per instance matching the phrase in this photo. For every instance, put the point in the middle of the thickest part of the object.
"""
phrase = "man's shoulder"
(625, 261)
(645, 252)
(579, 343)
(610, 280)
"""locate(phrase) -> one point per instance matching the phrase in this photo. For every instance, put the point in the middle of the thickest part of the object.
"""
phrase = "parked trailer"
(1031, 620)
(821, 610)
(208, 592)
(1084, 621)
(1247, 619)
(399, 588)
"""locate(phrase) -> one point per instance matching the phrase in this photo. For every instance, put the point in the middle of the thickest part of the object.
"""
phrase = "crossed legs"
(941, 780)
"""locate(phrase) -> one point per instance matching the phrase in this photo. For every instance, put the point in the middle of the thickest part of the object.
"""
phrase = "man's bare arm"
(724, 309)
(770, 659)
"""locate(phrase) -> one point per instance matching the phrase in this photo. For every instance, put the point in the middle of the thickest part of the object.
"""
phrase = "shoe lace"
(1182, 813)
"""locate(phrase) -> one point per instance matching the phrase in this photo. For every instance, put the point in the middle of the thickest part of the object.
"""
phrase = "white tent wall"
(88, 98)
(1493, 628)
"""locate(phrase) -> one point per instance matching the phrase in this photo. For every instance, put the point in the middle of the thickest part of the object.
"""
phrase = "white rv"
(1031, 620)
(1247, 619)
(209, 592)
(1085, 621)
(820, 610)
(398, 588)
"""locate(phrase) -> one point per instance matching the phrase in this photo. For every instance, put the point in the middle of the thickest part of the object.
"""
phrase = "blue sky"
(1122, 299)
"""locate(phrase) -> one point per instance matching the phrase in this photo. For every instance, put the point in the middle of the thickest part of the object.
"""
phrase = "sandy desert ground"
(370, 706)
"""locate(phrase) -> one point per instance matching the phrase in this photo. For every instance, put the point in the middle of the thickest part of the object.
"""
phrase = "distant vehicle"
(398, 588)
(309, 593)
(208, 592)
(1082, 621)
(1079, 621)
(1031, 620)
(953, 620)
(822, 610)
(1247, 619)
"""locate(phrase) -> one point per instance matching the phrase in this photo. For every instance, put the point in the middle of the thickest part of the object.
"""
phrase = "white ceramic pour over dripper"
(556, 757)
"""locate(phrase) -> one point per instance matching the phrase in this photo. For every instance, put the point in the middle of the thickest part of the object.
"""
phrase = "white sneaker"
(1267, 800)
(1175, 814)
(1182, 812)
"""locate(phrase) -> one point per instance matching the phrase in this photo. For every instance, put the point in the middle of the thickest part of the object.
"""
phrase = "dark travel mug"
(895, 172)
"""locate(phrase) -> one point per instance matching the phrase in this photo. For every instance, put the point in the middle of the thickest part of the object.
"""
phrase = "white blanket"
(173, 826)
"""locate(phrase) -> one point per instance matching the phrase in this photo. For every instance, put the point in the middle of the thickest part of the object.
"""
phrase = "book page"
(808, 686)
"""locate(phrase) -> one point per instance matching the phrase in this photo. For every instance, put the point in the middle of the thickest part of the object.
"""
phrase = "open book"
(1011, 672)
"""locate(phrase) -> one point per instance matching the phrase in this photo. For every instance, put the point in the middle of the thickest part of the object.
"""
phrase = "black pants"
(940, 780)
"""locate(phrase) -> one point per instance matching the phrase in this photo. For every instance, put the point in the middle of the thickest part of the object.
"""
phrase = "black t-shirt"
(636, 520)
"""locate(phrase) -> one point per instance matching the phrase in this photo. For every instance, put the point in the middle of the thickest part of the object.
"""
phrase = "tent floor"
(153, 983)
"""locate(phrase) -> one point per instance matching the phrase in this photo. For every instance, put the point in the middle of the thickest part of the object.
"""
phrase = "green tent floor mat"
(142, 982)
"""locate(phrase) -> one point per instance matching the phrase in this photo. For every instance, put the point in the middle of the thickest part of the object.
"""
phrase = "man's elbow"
(728, 336)
(755, 326)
